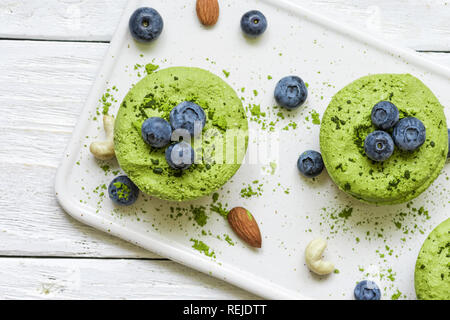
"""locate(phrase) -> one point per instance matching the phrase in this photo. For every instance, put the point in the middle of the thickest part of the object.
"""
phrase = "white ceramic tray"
(379, 243)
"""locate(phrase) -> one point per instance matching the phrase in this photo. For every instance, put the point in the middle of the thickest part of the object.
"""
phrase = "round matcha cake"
(347, 122)
(432, 276)
(219, 150)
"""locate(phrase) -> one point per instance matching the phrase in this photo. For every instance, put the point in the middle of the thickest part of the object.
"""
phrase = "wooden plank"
(421, 25)
(43, 87)
(108, 279)
(60, 20)
(42, 90)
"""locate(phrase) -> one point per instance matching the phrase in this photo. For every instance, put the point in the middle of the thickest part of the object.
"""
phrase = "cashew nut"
(104, 150)
(313, 257)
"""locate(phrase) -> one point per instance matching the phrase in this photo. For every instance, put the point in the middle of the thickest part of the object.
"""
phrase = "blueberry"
(310, 164)
(379, 146)
(146, 24)
(448, 132)
(157, 132)
(123, 191)
(385, 115)
(180, 155)
(189, 116)
(253, 23)
(291, 92)
(409, 134)
(367, 290)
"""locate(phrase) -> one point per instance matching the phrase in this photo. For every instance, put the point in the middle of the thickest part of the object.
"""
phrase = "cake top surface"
(217, 157)
(347, 122)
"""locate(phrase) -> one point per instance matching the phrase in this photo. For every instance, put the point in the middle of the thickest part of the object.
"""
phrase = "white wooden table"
(50, 51)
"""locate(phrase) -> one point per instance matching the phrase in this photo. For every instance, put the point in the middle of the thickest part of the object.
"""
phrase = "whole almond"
(208, 11)
(245, 226)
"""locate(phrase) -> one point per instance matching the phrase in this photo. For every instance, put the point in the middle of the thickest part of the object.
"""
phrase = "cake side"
(432, 273)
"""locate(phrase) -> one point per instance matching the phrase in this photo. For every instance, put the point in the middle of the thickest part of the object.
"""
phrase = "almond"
(208, 11)
(245, 226)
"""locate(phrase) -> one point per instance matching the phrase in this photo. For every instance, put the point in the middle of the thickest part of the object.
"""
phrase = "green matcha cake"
(347, 122)
(432, 276)
(218, 156)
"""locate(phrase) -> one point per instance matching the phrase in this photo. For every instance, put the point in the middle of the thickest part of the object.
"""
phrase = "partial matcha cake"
(432, 276)
(219, 152)
(347, 122)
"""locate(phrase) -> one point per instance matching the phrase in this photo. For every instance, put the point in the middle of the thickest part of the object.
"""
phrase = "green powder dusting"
(346, 213)
(396, 295)
(269, 118)
(280, 115)
(100, 191)
(424, 212)
(315, 117)
(292, 125)
(391, 275)
(250, 191)
(273, 166)
(105, 168)
(150, 68)
(106, 101)
(220, 209)
(199, 214)
(383, 227)
(400, 220)
(203, 248)
(228, 239)
(123, 191)
(255, 110)
(226, 73)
